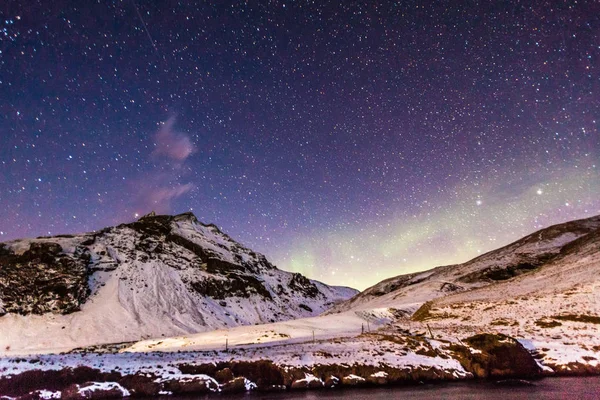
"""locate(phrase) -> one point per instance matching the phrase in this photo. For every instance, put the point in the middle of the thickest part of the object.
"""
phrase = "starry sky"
(350, 141)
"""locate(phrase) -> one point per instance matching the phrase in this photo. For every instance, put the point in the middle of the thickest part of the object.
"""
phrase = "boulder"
(191, 384)
(378, 378)
(353, 380)
(496, 356)
(95, 390)
(238, 385)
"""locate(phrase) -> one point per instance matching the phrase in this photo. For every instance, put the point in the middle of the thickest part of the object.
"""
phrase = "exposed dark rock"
(189, 245)
(140, 385)
(236, 385)
(331, 382)
(423, 312)
(193, 384)
(218, 266)
(499, 356)
(157, 225)
(224, 375)
(415, 281)
(450, 287)
(504, 272)
(4, 251)
(262, 260)
(32, 380)
(305, 307)
(575, 369)
(189, 216)
(198, 369)
(264, 373)
(89, 241)
(303, 285)
(584, 318)
(390, 285)
(394, 375)
(42, 279)
(233, 285)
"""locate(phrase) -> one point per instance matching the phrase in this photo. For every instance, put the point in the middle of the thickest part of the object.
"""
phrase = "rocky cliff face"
(158, 276)
(42, 279)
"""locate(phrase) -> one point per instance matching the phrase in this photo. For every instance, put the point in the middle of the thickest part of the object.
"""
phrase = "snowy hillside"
(529, 309)
(554, 309)
(159, 276)
(407, 293)
(543, 290)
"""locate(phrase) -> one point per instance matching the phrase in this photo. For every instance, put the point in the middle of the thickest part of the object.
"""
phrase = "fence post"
(430, 333)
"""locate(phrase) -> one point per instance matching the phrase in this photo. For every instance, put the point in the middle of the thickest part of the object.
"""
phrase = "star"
(310, 132)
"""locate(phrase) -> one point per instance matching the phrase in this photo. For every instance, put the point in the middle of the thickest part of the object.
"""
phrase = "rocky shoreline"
(98, 376)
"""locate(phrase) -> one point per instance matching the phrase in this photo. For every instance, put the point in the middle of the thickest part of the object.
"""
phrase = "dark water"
(549, 388)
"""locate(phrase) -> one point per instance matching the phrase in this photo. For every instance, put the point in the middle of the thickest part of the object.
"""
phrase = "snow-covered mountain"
(528, 309)
(532, 254)
(543, 289)
(158, 276)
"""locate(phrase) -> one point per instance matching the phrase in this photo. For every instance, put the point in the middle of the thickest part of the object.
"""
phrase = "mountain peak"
(149, 215)
(186, 216)
(161, 275)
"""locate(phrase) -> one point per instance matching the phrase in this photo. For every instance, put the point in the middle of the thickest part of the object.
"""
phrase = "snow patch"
(88, 391)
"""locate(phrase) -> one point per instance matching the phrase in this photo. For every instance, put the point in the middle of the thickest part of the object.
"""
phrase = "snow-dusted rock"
(95, 390)
(353, 380)
(308, 382)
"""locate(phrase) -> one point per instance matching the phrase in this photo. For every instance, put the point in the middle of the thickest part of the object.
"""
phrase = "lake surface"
(549, 388)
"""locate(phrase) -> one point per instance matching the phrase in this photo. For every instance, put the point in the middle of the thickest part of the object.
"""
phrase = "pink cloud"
(163, 196)
(152, 196)
(171, 144)
(159, 187)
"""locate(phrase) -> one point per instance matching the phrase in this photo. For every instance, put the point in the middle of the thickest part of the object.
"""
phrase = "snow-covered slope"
(407, 293)
(159, 276)
(528, 308)
(543, 290)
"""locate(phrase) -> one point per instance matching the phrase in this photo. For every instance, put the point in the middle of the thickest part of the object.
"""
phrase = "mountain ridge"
(518, 257)
(158, 276)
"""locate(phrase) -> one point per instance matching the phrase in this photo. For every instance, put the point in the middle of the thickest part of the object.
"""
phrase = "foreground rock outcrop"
(378, 358)
(496, 356)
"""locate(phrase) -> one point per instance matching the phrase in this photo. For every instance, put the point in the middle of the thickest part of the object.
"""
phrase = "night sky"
(348, 142)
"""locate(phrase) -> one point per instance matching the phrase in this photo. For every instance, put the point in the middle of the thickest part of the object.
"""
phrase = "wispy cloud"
(163, 184)
(154, 195)
(173, 145)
